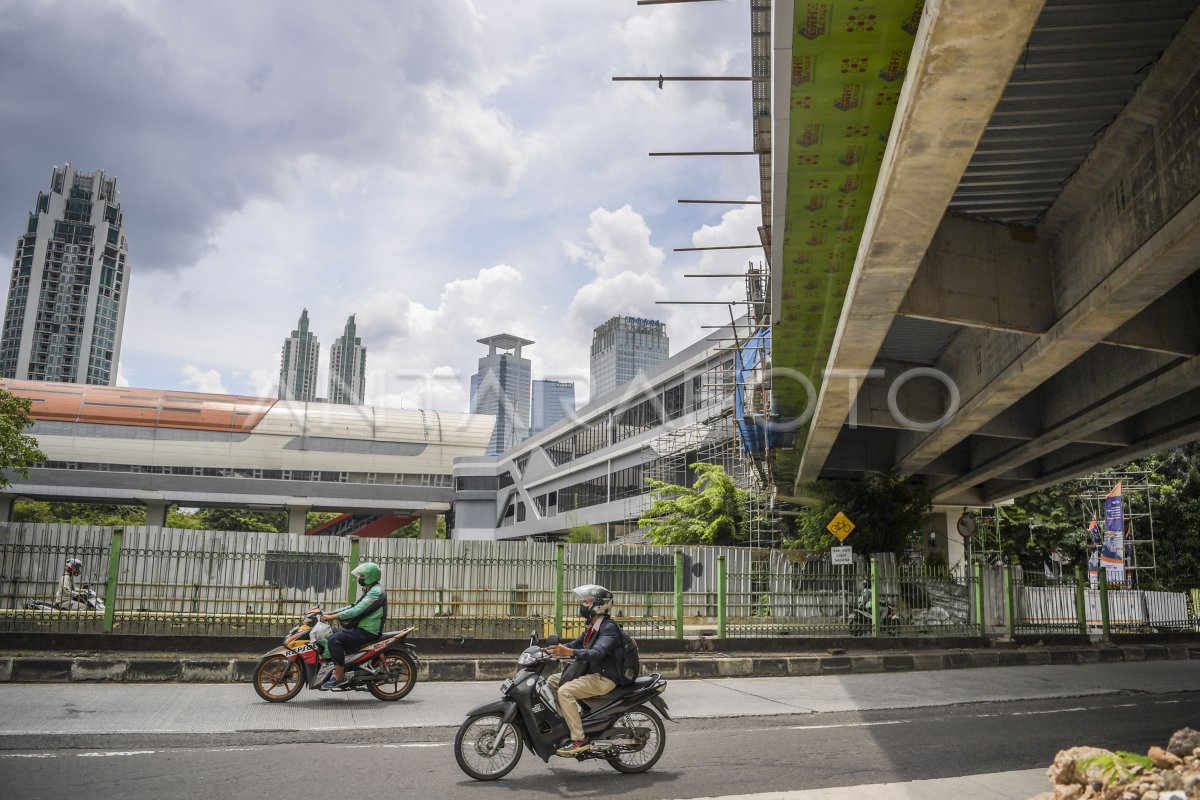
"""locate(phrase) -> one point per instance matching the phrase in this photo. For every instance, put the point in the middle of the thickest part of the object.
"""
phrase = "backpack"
(628, 662)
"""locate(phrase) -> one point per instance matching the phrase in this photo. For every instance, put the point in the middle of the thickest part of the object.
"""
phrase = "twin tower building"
(347, 366)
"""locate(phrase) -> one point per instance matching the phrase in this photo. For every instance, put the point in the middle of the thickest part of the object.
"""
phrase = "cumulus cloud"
(207, 380)
(423, 173)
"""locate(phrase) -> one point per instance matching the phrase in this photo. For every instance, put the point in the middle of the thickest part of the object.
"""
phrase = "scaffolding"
(715, 435)
(1137, 508)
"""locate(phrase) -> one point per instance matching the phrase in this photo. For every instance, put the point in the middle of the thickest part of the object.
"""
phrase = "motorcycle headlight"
(530, 657)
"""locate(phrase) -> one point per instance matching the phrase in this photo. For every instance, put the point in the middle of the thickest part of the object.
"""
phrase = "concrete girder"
(1173, 423)
(963, 57)
(983, 274)
(1121, 245)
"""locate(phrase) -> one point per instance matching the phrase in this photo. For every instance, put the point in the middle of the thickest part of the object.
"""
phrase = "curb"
(217, 669)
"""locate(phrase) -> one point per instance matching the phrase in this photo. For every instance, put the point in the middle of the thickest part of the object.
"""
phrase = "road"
(995, 730)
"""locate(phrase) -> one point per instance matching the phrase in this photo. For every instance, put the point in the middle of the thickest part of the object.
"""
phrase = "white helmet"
(74, 566)
(602, 599)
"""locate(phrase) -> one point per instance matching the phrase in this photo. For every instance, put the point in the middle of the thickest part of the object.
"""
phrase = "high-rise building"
(298, 366)
(552, 401)
(622, 348)
(66, 298)
(347, 368)
(501, 389)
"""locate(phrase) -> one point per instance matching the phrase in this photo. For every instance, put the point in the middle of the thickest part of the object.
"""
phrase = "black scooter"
(624, 729)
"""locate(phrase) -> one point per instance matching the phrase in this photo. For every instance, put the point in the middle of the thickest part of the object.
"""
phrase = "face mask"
(585, 612)
(362, 583)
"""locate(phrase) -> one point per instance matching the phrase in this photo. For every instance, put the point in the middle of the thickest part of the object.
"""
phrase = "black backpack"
(628, 662)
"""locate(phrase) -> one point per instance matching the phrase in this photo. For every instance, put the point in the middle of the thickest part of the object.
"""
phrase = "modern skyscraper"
(298, 366)
(66, 298)
(622, 348)
(552, 401)
(501, 389)
(347, 368)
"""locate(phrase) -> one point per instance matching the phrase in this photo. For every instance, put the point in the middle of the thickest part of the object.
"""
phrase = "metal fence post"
(678, 593)
(874, 597)
(1010, 602)
(350, 582)
(559, 587)
(1104, 619)
(114, 571)
(1080, 600)
(722, 597)
(980, 617)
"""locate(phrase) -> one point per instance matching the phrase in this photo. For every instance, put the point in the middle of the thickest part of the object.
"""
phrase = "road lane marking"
(29, 755)
(848, 725)
(396, 745)
(117, 753)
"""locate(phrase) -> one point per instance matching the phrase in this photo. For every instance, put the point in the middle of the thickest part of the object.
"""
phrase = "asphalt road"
(704, 757)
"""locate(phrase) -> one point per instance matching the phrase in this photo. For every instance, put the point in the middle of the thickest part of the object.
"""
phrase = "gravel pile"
(1092, 773)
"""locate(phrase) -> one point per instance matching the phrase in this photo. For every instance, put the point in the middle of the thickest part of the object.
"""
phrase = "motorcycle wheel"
(473, 741)
(647, 728)
(402, 676)
(278, 680)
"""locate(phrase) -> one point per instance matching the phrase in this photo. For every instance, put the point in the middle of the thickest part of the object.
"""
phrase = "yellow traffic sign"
(840, 526)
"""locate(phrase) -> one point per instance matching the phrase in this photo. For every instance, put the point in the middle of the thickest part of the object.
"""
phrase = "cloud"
(418, 164)
(200, 380)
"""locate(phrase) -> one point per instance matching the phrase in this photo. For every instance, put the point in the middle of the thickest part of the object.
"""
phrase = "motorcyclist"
(70, 596)
(361, 623)
(595, 652)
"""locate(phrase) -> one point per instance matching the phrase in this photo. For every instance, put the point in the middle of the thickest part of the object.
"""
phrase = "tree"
(584, 534)
(238, 519)
(18, 450)
(710, 512)
(888, 513)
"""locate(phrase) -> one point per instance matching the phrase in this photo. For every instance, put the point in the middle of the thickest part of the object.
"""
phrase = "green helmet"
(368, 572)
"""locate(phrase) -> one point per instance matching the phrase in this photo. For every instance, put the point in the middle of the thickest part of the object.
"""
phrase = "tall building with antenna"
(348, 367)
(298, 364)
(69, 284)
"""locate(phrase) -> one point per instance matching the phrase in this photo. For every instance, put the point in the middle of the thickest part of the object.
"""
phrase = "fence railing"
(163, 581)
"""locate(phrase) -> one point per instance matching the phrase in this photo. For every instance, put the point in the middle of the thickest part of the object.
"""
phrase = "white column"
(156, 512)
(428, 525)
(6, 504)
(297, 516)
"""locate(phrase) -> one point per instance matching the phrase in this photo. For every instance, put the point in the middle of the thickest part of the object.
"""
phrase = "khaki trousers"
(587, 686)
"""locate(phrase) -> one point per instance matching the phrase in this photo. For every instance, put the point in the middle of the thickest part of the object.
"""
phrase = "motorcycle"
(860, 622)
(386, 668)
(86, 595)
(624, 729)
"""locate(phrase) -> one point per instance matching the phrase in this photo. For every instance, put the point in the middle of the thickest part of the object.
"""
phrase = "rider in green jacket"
(361, 623)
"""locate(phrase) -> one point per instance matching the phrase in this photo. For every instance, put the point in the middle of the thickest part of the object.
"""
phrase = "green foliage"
(316, 518)
(1118, 767)
(413, 530)
(1043, 520)
(888, 513)
(78, 513)
(584, 534)
(18, 450)
(712, 512)
(239, 519)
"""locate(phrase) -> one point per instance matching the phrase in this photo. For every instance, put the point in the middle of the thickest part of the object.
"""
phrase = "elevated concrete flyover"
(1024, 302)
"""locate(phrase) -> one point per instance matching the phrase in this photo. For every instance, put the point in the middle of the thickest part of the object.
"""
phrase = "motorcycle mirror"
(552, 639)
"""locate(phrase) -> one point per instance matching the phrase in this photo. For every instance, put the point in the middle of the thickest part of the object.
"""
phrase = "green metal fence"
(163, 581)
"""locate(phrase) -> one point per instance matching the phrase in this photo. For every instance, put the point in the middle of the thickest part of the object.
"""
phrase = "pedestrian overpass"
(983, 225)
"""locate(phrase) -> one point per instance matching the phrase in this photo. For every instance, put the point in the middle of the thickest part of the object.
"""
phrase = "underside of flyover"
(1020, 302)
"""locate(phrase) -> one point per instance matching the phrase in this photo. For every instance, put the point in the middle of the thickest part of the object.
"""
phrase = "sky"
(442, 169)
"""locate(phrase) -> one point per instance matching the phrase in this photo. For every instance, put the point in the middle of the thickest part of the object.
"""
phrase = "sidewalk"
(237, 668)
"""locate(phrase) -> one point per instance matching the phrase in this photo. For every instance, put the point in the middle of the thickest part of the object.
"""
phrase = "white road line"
(846, 725)
(395, 746)
(29, 755)
(117, 753)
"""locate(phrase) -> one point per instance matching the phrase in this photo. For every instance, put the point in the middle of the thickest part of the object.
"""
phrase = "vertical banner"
(1093, 549)
(1112, 553)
